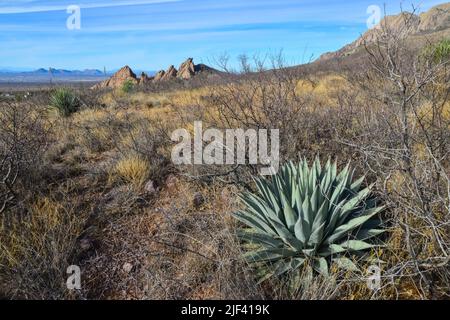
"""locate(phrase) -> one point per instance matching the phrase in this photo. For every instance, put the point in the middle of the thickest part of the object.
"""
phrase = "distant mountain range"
(63, 72)
(53, 74)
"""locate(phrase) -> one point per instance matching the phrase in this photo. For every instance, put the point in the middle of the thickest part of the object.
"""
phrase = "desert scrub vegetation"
(36, 231)
(79, 181)
(24, 133)
(36, 250)
(439, 52)
(127, 86)
(65, 101)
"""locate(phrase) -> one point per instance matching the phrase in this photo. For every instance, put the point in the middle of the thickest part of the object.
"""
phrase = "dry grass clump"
(132, 169)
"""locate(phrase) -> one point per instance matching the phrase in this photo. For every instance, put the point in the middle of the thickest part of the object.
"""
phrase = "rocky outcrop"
(159, 75)
(436, 19)
(187, 69)
(144, 79)
(118, 79)
(170, 74)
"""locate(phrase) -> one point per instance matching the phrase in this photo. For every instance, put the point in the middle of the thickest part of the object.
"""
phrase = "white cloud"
(46, 8)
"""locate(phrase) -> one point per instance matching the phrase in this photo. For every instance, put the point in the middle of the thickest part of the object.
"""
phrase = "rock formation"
(187, 71)
(118, 79)
(144, 79)
(434, 20)
(159, 76)
(170, 74)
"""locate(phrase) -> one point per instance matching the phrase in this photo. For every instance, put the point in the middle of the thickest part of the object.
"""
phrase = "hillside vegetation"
(86, 179)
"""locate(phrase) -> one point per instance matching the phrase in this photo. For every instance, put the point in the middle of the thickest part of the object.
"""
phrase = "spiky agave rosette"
(308, 215)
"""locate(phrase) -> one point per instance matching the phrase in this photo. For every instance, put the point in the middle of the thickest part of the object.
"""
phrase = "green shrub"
(127, 86)
(65, 101)
(439, 52)
(307, 216)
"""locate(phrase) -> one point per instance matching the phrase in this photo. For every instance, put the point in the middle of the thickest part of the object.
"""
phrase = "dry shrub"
(402, 136)
(36, 250)
(24, 137)
(177, 250)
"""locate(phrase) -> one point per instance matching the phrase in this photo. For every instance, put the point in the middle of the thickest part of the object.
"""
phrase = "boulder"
(150, 187)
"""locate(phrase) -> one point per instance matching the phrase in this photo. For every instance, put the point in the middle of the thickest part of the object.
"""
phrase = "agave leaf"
(346, 228)
(334, 216)
(346, 264)
(332, 249)
(321, 215)
(312, 179)
(366, 234)
(266, 191)
(326, 180)
(259, 238)
(333, 171)
(289, 214)
(338, 191)
(352, 203)
(357, 184)
(321, 266)
(254, 222)
(316, 236)
(307, 213)
(356, 245)
(297, 198)
(315, 200)
(287, 236)
(309, 252)
(301, 231)
(366, 211)
(343, 175)
(260, 208)
(268, 254)
(297, 263)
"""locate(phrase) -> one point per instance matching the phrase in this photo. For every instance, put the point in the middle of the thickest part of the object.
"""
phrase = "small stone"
(85, 244)
(198, 200)
(150, 187)
(127, 267)
(171, 181)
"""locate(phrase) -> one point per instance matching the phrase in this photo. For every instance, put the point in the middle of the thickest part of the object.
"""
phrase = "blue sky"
(152, 34)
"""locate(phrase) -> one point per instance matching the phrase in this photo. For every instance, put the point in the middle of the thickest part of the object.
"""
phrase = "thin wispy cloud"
(152, 34)
(49, 8)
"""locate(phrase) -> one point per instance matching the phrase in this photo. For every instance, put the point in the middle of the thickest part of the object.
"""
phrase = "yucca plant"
(65, 101)
(307, 216)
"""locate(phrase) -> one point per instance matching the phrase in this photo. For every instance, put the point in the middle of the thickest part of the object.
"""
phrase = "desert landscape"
(359, 208)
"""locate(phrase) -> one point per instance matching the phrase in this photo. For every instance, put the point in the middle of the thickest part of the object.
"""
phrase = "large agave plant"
(308, 215)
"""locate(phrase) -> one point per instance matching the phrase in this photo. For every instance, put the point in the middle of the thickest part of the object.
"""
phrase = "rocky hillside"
(436, 21)
(186, 71)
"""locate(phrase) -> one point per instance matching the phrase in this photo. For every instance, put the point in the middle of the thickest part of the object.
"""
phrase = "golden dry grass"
(132, 169)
